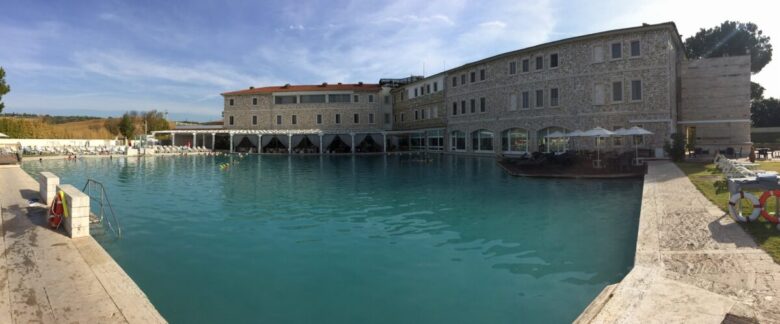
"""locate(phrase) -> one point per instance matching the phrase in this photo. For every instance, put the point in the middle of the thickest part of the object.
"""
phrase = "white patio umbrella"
(576, 133)
(598, 132)
(637, 131)
(558, 134)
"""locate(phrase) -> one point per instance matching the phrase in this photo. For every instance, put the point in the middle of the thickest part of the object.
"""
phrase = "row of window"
(516, 140)
(336, 119)
(616, 51)
(472, 108)
(315, 98)
(420, 114)
(472, 77)
(426, 89)
(599, 92)
(553, 62)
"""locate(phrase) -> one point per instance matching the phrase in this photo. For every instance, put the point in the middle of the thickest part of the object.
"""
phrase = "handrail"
(92, 184)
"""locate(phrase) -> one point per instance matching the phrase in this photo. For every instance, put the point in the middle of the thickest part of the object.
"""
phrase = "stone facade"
(371, 115)
(716, 101)
(615, 79)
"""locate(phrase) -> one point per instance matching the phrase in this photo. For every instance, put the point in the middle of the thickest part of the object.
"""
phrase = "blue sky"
(106, 57)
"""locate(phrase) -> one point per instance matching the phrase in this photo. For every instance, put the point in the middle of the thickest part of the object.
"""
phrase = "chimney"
(251, 87)
(324, 84)
(286, 86)
(360, 84)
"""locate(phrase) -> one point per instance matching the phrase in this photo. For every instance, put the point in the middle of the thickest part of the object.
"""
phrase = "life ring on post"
(55, 212)
(737, 214)
(764, 213)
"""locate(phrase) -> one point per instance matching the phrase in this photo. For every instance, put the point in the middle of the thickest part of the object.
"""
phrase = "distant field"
(37, 128)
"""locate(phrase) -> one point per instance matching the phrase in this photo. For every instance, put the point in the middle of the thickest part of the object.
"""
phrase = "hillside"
(27, 127)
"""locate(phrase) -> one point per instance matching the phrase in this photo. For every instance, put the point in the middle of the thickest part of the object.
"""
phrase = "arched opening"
(275, 146)
(514, 140)
(246, 146)
(305, 146)
(457, 141)
(551, 144)
(482, 140)
(338, 146)
(368, 145)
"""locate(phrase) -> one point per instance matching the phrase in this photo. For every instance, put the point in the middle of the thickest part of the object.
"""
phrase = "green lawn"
(764, 233)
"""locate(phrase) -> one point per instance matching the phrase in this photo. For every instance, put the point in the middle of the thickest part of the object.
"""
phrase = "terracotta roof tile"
(370, 87)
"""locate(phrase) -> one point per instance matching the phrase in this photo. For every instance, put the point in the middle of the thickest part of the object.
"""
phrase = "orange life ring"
(764, 213)
(55, 212)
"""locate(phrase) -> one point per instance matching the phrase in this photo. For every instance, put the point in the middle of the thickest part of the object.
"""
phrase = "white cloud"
(495, 24)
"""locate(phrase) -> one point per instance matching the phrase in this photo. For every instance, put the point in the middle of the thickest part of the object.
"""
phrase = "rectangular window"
(526, 100)
(254, 101)
(435, 86)
(387, 99)
(598, 54)
(473, 76)
(416, 114)
(312, 98)
(454, 81)
(427, 88)
(231, 120)
(285, 100)
(617, 50)
(370, 98)
(387, 118)
(231, 101)
(294, 120)
(617, 91)
(636, 90)
(463, 107)
(482, 75)
(357, 98)
(319, 119)
(278, 119)
(539, 98)
(254, 120)
(513, 102)
(338, 118)
(422, 114)
(454, 108)
(512, 67)
(370, 118)
(415, 92)
(598, 94)
(463, 78)
(338, 98)
(553, 97)
(473, 106)
(539, 62)
(526, 65)
(635, 48)
(554, 60)
(356, 118)
(402, 117)
(482, 103)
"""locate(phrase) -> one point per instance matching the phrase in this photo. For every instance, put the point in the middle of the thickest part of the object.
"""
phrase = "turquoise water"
(367, 239)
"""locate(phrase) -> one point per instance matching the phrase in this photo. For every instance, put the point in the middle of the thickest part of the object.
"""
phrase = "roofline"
(357, 86)
(665, 25)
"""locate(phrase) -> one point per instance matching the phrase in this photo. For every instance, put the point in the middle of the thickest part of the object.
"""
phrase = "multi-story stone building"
(508, 103)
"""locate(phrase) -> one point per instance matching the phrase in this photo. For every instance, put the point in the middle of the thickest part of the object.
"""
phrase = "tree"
(732, 38)
(676, 148)
(155, 121)
(127, 126)
(765, 113)
(4, 88)
(756, 91)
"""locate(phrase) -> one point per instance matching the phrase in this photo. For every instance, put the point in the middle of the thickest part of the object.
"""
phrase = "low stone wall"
(76, 220)
(47, 184)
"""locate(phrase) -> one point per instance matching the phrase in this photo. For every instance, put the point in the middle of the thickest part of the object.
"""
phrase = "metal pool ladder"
(93, 188)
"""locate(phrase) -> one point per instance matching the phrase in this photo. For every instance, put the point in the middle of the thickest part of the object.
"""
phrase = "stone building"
(509, 102)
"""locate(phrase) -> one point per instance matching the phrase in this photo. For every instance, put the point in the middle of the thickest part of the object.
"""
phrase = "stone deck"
(46, 277)
(693, 264)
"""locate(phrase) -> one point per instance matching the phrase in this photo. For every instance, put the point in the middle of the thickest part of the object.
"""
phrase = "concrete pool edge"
(73, 279)
(692, 262)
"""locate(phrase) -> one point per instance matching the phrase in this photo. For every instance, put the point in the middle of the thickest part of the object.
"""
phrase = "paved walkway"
(46, 277)
(694, 264)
